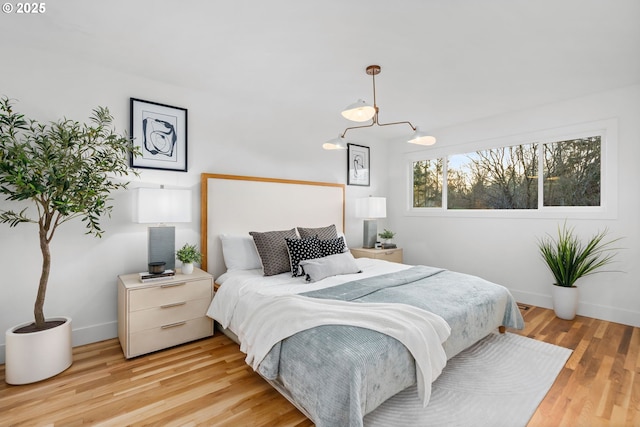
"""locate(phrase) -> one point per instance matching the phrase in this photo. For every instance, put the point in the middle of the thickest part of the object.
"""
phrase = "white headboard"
(235, 204)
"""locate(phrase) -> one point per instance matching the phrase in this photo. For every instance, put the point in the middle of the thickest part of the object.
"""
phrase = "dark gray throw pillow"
(272, 248)
(323, 233)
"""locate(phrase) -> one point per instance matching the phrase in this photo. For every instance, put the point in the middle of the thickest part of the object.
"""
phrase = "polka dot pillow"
(300, 250)
(331, 246)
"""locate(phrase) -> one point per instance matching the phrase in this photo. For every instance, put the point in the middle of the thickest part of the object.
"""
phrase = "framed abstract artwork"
(358, 165)
(160, 133)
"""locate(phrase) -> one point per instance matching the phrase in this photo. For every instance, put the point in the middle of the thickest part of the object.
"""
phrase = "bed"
(337, 346)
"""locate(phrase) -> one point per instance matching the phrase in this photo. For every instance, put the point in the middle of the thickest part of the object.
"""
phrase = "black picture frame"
(160, 133)
(358, 165)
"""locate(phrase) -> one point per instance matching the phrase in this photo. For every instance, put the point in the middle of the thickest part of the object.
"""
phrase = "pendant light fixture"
(360, 111)
(338, 143)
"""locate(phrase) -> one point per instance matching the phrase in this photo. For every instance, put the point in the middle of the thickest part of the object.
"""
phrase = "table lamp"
(162, 206)
(371, 208)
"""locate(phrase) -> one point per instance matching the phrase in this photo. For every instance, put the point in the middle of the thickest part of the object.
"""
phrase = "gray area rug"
(500, 381)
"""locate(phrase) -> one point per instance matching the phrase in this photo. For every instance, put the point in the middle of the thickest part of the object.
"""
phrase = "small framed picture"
(160, 132)
(358, 165)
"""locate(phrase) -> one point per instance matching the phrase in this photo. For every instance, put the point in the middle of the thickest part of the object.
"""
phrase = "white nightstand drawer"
(169, 293)
(169, 335)
(167, 314)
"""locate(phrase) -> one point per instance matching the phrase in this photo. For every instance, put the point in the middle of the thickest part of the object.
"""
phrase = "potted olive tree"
(188, 254)
(66, 170)
(569, 260)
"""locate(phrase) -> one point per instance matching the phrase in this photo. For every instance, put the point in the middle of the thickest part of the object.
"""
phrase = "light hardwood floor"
(207, 383)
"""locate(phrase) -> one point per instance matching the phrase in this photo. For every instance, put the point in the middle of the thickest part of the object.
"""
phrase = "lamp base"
(369, 233)
(162, 246)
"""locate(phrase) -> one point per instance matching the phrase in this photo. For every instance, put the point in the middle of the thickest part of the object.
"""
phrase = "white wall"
(82, 284)
(504, 250)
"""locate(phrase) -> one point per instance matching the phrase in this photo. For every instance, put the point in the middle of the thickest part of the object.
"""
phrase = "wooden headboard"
(234, 204)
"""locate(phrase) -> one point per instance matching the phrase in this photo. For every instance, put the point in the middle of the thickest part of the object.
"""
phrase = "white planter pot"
(565, 301)
(187, 268)
(36, 356)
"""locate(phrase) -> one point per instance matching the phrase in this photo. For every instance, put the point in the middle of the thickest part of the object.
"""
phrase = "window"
(499, 178)
(427, 183)
(549, 175)
(572, 172)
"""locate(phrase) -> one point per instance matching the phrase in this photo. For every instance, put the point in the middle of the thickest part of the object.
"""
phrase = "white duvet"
(231, 304)
(262, 311)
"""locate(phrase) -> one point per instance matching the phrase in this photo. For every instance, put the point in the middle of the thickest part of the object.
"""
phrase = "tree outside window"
(427, 183)
(572, 172)
(508, 177)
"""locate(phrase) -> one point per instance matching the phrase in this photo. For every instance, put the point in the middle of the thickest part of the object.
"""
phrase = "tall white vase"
(36, 356)
(565, 301)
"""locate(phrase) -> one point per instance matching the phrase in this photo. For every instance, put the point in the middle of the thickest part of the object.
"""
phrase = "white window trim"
(608, 209)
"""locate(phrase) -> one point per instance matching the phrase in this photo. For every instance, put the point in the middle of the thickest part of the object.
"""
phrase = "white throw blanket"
(274, 318)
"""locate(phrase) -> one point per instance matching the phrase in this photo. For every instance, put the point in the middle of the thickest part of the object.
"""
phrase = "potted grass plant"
(66, 170)
(188, 254)
(569, 259)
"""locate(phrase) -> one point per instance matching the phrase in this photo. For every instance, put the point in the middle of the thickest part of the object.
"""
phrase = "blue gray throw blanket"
(341, 373)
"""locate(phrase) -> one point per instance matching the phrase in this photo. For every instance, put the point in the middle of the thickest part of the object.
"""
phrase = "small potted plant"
(387, 235)
(188, 254)
(569, 259)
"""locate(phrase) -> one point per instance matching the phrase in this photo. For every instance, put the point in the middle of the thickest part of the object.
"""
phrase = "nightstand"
(159, 314)
(393, 255)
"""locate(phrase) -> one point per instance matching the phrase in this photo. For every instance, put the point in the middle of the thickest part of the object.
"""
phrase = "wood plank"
(207, 383)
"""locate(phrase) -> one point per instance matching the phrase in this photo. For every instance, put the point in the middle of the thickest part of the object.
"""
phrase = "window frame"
(607, 130)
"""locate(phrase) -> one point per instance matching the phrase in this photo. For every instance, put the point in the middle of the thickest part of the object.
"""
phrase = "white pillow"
(239, 252)
(332, 265)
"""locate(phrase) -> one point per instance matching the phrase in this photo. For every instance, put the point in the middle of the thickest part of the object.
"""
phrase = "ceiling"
(297, 63)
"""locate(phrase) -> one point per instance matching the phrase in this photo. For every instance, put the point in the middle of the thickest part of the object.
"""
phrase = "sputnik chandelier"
(360, 111)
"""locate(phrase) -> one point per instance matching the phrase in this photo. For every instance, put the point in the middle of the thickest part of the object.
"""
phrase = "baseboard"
(539, 300)
(94, 333)
(611, 314)
(85, 335)
(597, 311)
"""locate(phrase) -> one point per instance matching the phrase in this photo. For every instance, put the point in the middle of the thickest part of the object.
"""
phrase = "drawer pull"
(173, 325)
(175, 304)
(389, 253)
(171, 285)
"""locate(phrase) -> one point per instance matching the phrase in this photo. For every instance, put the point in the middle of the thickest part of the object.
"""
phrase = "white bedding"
(231, 305)
(274, 312)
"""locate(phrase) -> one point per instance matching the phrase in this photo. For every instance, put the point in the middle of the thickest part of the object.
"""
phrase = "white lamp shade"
(159, 205)
(335, 144)
(359, 111)
(422, 138)
(371, 207)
